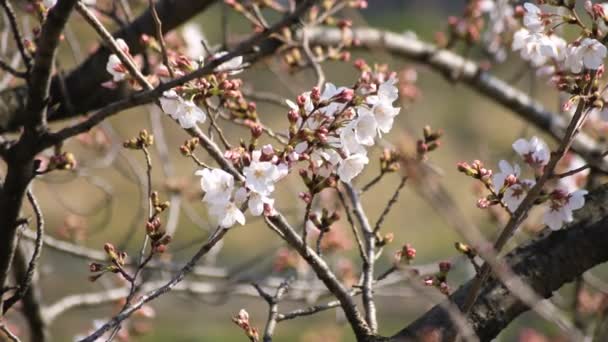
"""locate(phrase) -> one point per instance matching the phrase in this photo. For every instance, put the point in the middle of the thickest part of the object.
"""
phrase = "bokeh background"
(475, 128)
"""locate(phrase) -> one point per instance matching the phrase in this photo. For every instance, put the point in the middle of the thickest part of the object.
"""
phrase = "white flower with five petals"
(217, 185)
(260, 176)
(352, 166)
(187, 113)
(233, 66)
(534, 151)
(226, 214)
(505, 171)
(516, 193)
(592, 53)
(533, 20)
(561, 206)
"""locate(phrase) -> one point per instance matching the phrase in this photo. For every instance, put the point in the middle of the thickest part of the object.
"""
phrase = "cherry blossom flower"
(170, 102)
(387, 92)
(217, 185)
(308, 105)
(193, 37)
(516, 193)
(348, 140)
(330, 92)
(116, 68)
(573, 61)
(233, 66)
(325, 156)
(534, 47)
(187, 113)
(352, 166)
(534, 152)
(561, 206)
(533, 20)
(364, 127)
(592, 53)
(505, 170)
(385, 113)
(554, 47)
(257, 202)
(260, 176)
(226, 214)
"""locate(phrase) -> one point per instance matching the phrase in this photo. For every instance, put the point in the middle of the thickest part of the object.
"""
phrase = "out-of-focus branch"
(31, 301)
(26, 277)
(544, 264)
(20, 157)
(95, 255)
(17, 36)
(460, 69)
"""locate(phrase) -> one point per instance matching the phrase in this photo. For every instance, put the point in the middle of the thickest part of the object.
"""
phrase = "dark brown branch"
(545, 264)
(8, 68)
(28, 276)
(20, 157)
(86, 79)
(31, 301)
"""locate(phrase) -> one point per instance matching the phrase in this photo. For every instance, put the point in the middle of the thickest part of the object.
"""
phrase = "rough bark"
(546, 264)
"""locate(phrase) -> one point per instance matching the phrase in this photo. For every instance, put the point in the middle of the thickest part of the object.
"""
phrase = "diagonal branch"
(545, 264)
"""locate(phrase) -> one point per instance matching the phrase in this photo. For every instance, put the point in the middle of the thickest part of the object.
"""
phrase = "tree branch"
(87, 78)
(20, 157)
(460, 69)
(545, 264)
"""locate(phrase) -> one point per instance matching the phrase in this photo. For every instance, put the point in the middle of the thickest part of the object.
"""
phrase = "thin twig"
(18, 37)
(373, 182)
(124, 314)
(8, 68)
(25, 283)
(390, 204)
(368, 265)
(351, 222)
(159, 36)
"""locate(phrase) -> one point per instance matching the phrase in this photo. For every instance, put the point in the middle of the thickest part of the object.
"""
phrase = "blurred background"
(98, 203)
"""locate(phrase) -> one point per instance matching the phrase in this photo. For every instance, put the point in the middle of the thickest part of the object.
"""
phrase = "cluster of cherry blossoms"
(330, 130)
(509, 188)
(538, 43)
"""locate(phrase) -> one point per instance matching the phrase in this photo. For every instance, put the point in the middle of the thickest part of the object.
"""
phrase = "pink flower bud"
(256, 130)
(410, 252)
(301, 100)
(315, 94)
(445, 266)
(293, 116)
(345, 95)
(483, 203)
(268, 150)
(510, 180)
